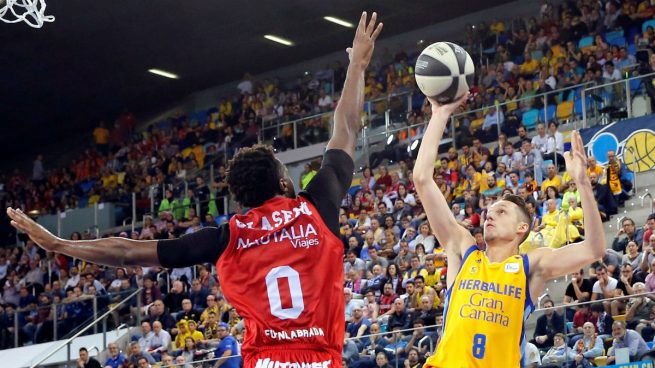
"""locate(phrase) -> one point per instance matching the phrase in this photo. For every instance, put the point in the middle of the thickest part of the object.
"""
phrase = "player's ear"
(523, 228)
(284, 185)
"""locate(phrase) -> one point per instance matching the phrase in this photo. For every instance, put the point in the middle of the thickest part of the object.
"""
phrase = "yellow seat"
(565, 110)
(600, 361)
(620, 317)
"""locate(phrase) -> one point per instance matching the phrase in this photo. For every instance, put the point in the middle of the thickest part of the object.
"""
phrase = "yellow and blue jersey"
(484, 316)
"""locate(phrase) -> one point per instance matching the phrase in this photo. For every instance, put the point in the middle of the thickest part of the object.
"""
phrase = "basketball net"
(31, 12)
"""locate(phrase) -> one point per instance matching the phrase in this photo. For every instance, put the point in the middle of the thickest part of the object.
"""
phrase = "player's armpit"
(550, 263)
(454, 238)
(203, 246)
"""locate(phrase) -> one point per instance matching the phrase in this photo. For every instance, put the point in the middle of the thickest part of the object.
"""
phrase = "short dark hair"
(632, 222)
(83, 349)
(597, 307)
(523, 211)
(253, 175)
(651, 217)
(419, 277)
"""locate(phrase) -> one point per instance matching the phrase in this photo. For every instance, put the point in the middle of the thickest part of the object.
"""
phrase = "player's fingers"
(464, 98)
(371, 24)
(377, 31)
(581, 144)
(349, 50)
(362, 23)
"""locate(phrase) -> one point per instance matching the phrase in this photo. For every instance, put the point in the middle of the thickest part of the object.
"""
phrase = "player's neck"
(498, 253)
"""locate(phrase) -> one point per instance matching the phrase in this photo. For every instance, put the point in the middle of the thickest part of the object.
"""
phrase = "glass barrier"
(74, 315)
(488, 123)
(621, 99)
(566, 335)
(297, 133)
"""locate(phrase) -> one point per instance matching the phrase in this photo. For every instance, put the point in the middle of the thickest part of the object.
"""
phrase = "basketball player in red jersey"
(280, 264)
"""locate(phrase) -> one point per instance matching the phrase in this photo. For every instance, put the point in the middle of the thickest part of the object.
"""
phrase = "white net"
(31, 12)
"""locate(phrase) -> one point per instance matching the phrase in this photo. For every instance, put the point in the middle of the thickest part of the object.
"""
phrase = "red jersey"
(282, 271)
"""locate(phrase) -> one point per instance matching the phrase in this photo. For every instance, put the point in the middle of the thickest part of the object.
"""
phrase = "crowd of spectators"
(523, 57)
(394, 266)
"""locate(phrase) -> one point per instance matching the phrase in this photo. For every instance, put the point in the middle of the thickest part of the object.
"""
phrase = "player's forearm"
(347, 121)
(427, 154)
(114, 252)
(593, 226)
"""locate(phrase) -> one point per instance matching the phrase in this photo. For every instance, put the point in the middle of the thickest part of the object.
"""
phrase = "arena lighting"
(389, 139)
(338, 21)
(163, 73)
(277, 39)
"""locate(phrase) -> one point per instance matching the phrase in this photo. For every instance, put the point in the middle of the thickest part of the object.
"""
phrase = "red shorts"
(292, 358)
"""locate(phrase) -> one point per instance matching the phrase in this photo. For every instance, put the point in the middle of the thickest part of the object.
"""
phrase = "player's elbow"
(600, 253)
(420, 178)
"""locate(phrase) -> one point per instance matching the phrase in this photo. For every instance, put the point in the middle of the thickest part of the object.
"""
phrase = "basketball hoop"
(31, 12)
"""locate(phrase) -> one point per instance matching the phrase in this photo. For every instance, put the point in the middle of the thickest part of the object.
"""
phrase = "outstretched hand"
(364, 42)
(36, 232)
(576, 159)
(448, 108)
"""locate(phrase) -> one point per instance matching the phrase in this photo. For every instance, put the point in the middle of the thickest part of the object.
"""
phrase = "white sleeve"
(596, 288)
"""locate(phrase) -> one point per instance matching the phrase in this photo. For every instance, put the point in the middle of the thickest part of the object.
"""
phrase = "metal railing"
(103, 317)
(55, 314)
(429, 335)
(652, 203)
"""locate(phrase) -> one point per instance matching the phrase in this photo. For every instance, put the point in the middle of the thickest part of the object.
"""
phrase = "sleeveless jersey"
(282, 271)
(485, 311)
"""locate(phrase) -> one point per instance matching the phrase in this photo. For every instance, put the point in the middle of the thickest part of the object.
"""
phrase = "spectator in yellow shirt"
(592, 166)
(101, 138)
(552, 179)
(473, 178)
(193, 333)
(529, 66)
(182, 334)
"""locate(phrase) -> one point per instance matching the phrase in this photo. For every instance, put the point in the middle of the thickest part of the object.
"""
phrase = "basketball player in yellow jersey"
(492, 291)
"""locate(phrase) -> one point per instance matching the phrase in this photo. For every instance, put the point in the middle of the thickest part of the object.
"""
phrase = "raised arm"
(347, 118)
(450, 234)
(551, 263)
(116, 252)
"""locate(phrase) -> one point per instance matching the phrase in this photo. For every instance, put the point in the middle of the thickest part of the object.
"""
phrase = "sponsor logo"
(268, 363)
(473, 269)
(512, 267)
(281, 227)
(421, 64)
(294, 334)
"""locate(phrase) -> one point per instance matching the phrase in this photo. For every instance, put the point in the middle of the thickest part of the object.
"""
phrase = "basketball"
(444, 71)
(639, 151)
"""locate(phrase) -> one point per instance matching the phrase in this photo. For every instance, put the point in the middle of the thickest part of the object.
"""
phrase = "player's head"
(507, 221)
(254, 175)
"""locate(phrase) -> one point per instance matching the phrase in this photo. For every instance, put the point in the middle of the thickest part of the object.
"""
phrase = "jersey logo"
(473, 269)
(512, 267)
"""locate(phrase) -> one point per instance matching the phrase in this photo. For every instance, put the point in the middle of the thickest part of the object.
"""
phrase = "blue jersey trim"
(529, 308)
(526, 269)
